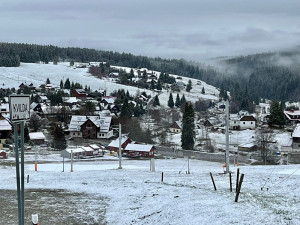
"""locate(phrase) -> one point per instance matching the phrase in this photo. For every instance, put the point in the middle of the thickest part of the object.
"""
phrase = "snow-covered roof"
(115, 143)
(37, 136)
(87, 149)
(293, 113)
(70, 100)
(139, 147)
(101, 122)
(247, 145)
(5, 125)
(296, 132)
(109, 100)
(76, 150)
(95, 147)
(43, 97)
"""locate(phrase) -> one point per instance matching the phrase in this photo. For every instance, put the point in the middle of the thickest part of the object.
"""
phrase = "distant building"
(292, 116)
(176, 127)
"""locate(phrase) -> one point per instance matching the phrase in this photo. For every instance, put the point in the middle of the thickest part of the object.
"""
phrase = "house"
(70, 101)
(249, 147)
(247, 122)
(5, 127)
(108, 100)
(241, 123)
(113, 75)
(176, 127)
(43, 99)
(292, 116)
(90, 127)
(3, 154)
(4, 87)
(115, 109)
(102, 92)
(37, 138)
(50, 87)
(4, 109)
(79, 93)
(139, 150)
(296, 138)
(114, 145)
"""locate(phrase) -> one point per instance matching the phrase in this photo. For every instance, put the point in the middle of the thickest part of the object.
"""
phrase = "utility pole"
(227, 137)
(120, 150)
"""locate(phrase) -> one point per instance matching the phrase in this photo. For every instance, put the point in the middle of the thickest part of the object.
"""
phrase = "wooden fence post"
(237, 180)
(239, 188)
(213, 181)
(230, 180)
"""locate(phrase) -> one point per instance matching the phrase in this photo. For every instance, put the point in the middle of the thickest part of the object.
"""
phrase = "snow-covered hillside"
(38, 73)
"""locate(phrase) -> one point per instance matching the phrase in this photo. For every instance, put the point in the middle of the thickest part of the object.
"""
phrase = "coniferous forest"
(250, 78)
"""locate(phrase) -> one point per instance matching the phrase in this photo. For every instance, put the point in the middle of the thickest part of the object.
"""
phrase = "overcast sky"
(190, 29)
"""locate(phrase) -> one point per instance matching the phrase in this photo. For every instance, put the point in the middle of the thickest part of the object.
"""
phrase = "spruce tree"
(61, 84)
(276, 114)
(203, 91)
(158, 86)
(189, 86)
(177, 102)
(67, 84)
(48, 81)
(156, 101)
(171, 101)
(183, 103)
(188, 128)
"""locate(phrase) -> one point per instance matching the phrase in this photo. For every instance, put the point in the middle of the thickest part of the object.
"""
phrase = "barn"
(140, 150)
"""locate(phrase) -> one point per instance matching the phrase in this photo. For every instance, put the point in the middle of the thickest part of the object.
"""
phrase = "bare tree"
(265, 142)
(35, 122)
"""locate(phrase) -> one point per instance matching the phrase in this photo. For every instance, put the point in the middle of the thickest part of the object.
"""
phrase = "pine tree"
(152, 85)
(276, 114)
(126, 110)
(183, 103)
(67, 84)
(48, 81)
(177, 102)
(158, 86)
(203, 91)
(189, 86)
(156, 101)
(61, 84)
(171, 101)
(188, 128)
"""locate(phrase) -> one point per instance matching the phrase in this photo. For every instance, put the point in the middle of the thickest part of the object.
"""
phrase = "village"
(74, 118)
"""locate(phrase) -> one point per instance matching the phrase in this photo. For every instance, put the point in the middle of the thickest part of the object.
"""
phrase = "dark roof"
(247, 118)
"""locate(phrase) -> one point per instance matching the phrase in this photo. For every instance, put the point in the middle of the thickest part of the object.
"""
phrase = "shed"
(249, 147)
(3, 154)
(37, 138)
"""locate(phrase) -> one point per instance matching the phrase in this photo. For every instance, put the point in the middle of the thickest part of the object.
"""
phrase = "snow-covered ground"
(134, 195)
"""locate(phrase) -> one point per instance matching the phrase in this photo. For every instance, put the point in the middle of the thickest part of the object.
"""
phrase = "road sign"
(19, 107)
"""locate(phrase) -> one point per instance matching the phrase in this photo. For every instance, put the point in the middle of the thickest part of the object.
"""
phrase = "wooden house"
(176, 127)
(114, 145)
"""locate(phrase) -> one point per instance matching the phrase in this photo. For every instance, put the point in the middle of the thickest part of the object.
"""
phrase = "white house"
(247, 122)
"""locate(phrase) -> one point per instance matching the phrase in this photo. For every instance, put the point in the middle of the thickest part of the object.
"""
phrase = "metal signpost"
(19, 108)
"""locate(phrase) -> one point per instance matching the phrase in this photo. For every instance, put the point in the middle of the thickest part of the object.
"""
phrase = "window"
(243, 122)
(251, 122)
(73, 133)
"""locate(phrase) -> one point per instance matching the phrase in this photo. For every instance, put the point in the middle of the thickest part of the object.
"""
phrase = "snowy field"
(134, 195)
(38, 73)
